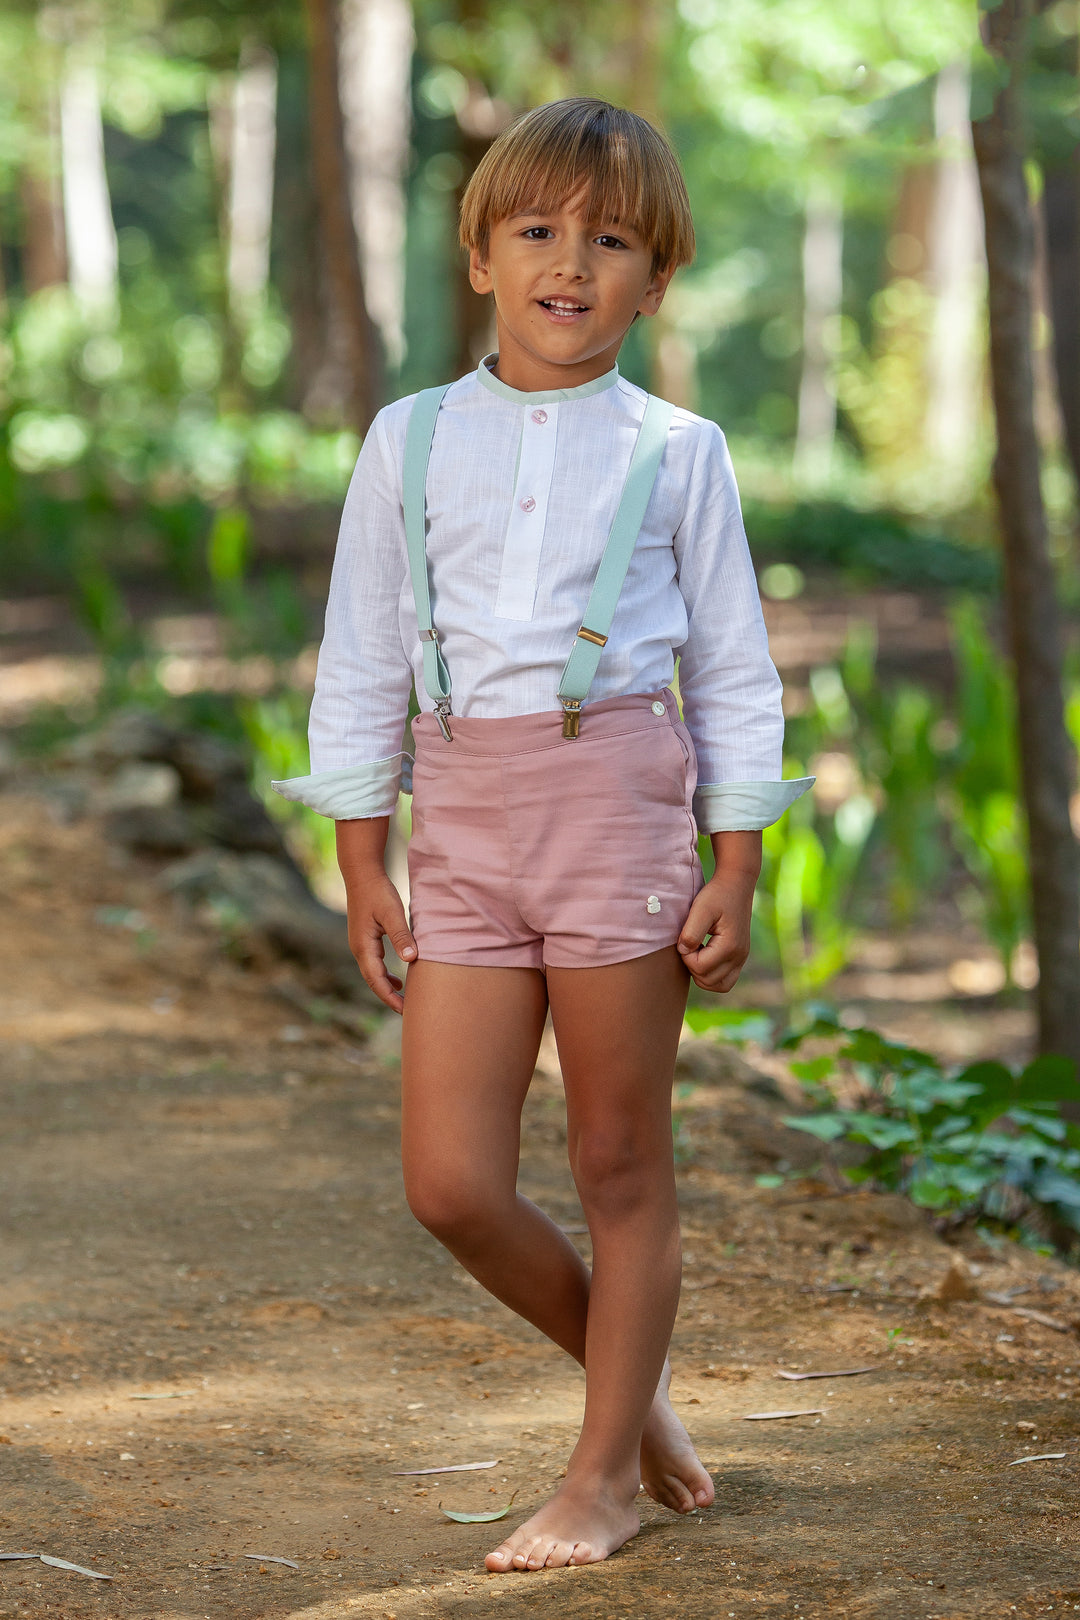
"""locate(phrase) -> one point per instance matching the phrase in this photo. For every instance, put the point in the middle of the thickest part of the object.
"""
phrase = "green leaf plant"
(981, 1143)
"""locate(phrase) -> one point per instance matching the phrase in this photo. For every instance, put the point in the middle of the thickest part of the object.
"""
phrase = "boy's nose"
(570, 262)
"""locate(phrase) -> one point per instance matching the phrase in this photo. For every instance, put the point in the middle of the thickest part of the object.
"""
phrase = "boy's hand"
(375, 907)
(722, 910)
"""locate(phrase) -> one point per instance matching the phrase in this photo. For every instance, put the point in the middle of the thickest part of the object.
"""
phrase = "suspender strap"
(418, 439)
(581, 666)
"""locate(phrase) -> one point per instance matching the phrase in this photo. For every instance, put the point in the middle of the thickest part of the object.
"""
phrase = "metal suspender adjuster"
(592, 635)
(571, 723)
(442, 704)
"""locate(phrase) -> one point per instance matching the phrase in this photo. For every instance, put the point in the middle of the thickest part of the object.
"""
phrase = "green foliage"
(276, 732)
(867, 546)
(897, 740)
(802, 903)
(981, 1142)
(983, 796)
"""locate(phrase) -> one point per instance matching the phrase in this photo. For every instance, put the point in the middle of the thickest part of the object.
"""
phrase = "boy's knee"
(615, 1172)
(450, 1210)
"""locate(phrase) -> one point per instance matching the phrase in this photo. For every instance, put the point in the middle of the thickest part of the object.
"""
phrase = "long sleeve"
(730, 690)
(364, 676)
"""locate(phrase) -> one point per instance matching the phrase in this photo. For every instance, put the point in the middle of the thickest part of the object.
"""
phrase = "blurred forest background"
(229, 235)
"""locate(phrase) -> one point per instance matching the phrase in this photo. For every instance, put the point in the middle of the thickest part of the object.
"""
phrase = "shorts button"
(658, 708)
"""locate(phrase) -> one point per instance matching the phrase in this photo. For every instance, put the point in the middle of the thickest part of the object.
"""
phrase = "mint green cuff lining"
(542, 396)
(354, 792)
(746, 806)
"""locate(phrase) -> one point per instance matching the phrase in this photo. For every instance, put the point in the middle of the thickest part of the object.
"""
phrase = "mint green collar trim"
(543, 396)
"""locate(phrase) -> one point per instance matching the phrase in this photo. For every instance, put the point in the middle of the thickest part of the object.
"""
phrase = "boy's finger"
(699, 922)
(373, 970)
(403, 943)
(397, 930)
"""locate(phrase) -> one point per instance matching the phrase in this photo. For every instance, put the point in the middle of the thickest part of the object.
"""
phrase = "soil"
(212, 1281)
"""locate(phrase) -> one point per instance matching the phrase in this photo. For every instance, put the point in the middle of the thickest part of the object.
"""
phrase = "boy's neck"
(530, 373)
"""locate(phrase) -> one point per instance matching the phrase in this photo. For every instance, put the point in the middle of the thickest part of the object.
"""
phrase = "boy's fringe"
(622, 167)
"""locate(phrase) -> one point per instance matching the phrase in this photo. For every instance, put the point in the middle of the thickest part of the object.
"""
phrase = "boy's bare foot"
(671, 1470)
(581, 1524)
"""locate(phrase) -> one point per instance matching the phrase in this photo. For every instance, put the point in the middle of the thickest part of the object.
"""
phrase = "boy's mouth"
(563, 309)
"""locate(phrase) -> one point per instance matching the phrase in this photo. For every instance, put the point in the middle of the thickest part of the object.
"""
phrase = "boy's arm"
(728, 686)
(375, 906)
(722, 911)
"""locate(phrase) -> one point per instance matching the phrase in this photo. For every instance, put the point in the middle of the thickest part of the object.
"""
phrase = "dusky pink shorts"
(532, 850)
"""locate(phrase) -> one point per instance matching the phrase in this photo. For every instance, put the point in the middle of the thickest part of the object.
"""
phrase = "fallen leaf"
(1044, 1456)
(168, 1395)
(846, 1372)
(448, 1468)
(478, 1518)
(77, 1569)
(806, 1411)
(6, 1440)
(8, 1556)
(268, 1558)
(1041, 1317)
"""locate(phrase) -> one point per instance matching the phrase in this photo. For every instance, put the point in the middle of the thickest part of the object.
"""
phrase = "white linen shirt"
(522, 489)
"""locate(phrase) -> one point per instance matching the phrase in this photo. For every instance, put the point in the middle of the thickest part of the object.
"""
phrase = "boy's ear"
(654, 292)
(479, 274)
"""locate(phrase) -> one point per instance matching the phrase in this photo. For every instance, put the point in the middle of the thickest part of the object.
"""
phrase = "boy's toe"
(585, 1553)
(499, 1560)
(540, 1554)
(561, 1554)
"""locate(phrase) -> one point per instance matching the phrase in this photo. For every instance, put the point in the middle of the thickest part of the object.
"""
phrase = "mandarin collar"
(542, 396)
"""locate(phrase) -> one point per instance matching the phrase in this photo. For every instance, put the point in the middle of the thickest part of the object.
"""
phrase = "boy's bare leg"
(470, 1042)
(617, 1030)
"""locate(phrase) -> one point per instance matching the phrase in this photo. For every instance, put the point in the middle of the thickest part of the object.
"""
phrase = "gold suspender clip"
(571, 710)
(592, 635)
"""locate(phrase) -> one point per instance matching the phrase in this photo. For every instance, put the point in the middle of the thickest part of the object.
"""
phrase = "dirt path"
(201, 1199)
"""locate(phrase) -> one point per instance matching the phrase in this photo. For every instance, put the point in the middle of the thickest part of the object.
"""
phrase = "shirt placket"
(524, 539)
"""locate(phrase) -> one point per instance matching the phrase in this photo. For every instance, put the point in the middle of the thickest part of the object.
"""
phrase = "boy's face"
(566, 292)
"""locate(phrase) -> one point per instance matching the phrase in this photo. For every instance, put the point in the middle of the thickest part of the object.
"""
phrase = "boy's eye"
(611, 241)
(530, 232)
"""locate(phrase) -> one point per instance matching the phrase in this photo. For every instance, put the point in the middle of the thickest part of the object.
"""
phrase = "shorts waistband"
(525, 733)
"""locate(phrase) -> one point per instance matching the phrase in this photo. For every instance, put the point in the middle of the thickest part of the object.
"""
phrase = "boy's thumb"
(403, 943)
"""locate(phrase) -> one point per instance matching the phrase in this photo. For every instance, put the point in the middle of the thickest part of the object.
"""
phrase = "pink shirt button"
(528, 504)
(539, 417)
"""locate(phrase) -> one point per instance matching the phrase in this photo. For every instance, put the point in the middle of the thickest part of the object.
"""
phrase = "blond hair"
(621, 165)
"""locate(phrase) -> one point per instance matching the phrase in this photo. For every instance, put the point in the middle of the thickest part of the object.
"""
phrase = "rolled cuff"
(353, 793)
(746, 806)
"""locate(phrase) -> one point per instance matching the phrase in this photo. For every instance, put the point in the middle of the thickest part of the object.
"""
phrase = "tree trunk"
(43, 260)
(376, 58)
(250, 180)
(91, 234)
(295, 228)
(955, 274)
(1061, 215)
(1046, 756)
(1061, 210)
(351, 322)
(478, 123)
